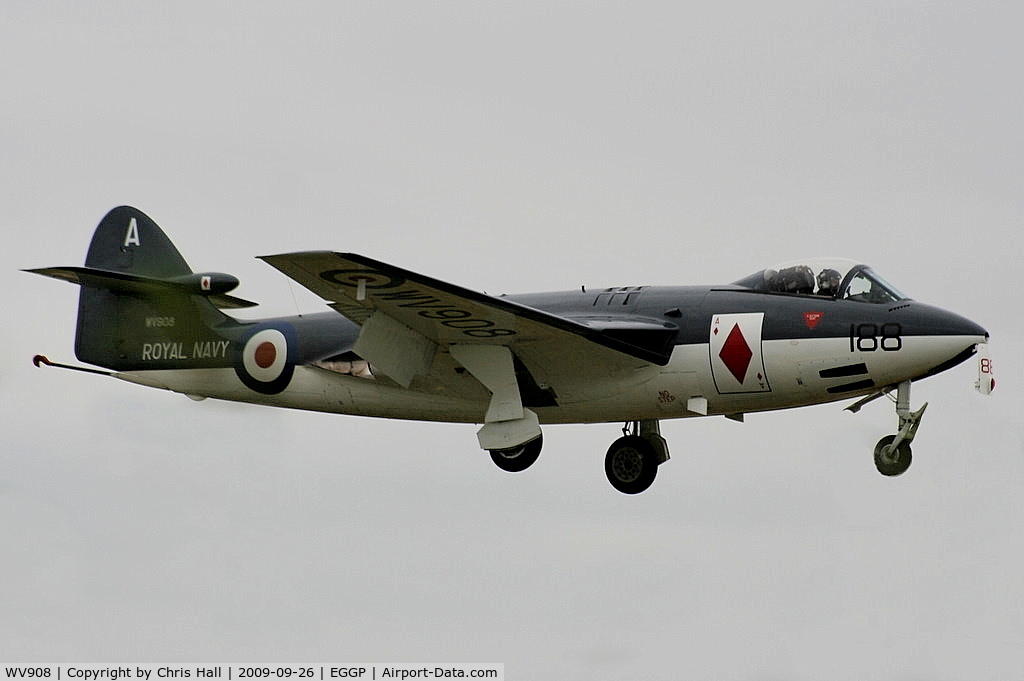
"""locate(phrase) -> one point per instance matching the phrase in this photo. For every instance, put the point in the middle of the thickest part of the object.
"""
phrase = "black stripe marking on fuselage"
(850, 387)
(844, 371)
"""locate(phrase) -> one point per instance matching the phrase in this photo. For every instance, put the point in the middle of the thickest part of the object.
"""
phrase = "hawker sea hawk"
(402, 345)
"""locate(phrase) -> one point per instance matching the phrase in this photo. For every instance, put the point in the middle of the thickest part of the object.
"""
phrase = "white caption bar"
(252, 672)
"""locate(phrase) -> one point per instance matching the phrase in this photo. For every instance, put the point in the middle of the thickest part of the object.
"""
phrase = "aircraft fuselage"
(742, 351)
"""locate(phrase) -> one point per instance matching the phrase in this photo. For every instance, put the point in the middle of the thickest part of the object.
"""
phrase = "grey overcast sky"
(514, 147)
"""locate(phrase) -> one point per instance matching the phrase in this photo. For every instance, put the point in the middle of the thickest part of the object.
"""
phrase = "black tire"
(631, 464)
(518, 458)
(892, 462)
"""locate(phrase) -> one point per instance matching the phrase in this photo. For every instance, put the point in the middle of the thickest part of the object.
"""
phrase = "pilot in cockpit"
(828, 283)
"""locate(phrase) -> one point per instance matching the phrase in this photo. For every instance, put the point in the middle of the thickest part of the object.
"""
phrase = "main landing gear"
(518, 458)
(631, 463)
(892, 453)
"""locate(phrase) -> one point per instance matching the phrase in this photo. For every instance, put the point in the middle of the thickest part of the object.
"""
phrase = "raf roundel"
(266, 359)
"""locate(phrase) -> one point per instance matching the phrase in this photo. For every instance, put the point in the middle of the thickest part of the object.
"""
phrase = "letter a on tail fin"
(128, 241)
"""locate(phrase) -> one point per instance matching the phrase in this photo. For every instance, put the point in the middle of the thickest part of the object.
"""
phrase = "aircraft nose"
(962, 326)
(943, 339)
(933, 321)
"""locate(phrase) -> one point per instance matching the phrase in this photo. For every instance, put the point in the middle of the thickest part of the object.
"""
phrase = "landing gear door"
(735, 347)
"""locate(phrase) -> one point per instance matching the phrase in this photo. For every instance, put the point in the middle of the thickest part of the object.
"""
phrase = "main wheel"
(518, 458)
(631, 464)
(890, 461)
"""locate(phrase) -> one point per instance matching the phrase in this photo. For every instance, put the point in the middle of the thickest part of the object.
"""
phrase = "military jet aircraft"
(402, 345)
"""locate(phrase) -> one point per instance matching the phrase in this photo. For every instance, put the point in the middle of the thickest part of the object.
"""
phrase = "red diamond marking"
(736, 353)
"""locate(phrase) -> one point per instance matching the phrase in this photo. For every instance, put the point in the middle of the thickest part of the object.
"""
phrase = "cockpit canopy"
(826, 277)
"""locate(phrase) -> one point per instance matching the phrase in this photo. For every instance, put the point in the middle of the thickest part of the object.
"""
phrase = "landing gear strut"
(892, 453)
(632, 461)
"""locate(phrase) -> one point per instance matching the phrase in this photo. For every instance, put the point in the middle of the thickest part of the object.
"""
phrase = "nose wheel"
(892, 460)
(892, 453)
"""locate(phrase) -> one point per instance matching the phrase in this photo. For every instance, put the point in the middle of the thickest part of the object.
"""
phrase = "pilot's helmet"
(828, 280)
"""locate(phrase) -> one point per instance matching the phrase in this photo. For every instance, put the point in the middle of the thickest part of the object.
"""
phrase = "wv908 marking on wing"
(449, 315)
(429, 306)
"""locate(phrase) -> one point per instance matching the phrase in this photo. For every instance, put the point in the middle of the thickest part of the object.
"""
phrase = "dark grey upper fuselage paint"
(688, 312)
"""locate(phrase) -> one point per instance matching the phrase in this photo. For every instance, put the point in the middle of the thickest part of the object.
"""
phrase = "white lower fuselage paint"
(800, 372)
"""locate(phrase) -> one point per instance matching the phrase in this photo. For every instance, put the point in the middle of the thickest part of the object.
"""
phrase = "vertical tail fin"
(128, 241)
(120, 323)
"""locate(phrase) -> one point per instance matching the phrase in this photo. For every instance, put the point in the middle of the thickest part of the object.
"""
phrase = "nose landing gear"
(892, 453)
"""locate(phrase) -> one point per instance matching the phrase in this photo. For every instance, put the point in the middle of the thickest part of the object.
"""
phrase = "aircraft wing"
(392, 303)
